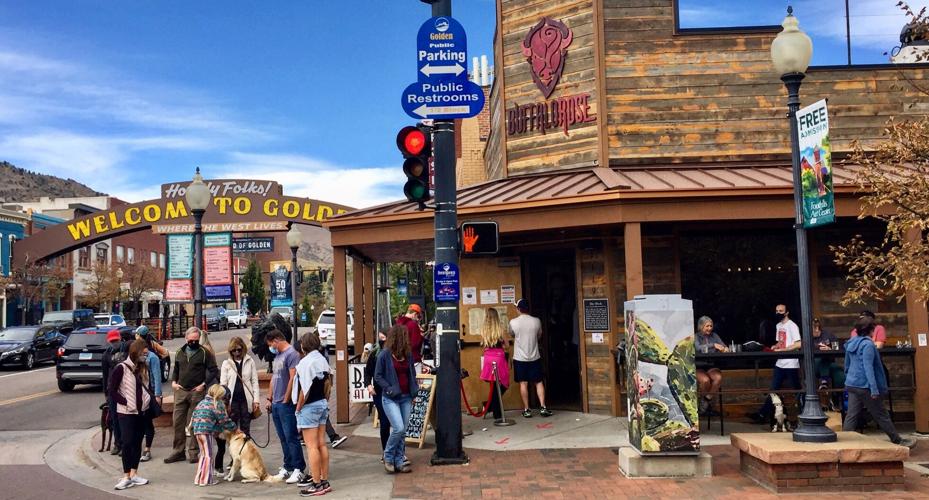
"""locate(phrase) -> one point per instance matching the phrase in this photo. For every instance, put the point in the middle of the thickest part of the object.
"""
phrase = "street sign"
(263, 244)
(446, 282)
(442, 90)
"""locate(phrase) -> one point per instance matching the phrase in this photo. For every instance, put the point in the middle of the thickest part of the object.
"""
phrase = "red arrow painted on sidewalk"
(502, 441)
(544, 426)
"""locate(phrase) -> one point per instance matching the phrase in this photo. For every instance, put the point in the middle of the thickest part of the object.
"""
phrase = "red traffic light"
(411, 141)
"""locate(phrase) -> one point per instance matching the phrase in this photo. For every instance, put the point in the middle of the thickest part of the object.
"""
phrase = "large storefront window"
(843, 33)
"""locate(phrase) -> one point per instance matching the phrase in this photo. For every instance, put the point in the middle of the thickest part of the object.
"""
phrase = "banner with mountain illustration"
(816, 165)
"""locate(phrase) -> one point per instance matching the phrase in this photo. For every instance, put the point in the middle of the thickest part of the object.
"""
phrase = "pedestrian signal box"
(479, 238)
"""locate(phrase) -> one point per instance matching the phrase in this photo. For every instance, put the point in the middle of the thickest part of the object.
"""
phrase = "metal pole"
(293, 288)
(448, 435)
(198, 267)
(502, 421)
(812, 428)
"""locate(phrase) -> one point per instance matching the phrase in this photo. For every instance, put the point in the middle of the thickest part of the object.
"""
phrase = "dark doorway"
(737, 277)
(550, 282)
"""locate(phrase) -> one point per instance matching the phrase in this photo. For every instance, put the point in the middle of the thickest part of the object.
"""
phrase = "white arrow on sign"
(430, 70)
(425, 111)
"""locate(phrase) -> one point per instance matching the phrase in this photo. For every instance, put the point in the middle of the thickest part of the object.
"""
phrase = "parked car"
(215, 319)
(284, 311)
(70, 319)
(80, 359)
(325, 326)
(109, 320)
(237, 317)
(29, 345)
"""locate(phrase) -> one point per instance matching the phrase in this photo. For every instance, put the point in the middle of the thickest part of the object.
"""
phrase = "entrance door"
(550, 280)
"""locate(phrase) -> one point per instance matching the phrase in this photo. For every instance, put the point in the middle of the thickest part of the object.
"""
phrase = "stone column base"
(634, 464)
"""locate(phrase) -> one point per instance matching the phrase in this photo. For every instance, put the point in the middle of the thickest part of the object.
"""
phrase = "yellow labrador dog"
(246, 459)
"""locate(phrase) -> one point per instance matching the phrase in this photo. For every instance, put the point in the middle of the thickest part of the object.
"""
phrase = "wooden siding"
(676, 97)
(534, 151)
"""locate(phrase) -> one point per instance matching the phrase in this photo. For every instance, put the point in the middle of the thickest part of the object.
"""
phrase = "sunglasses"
(235, 351)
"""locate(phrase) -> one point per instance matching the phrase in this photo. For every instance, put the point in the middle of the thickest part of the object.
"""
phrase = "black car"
(28, 345)
(215, 318)
(69, 320)
(80, 359)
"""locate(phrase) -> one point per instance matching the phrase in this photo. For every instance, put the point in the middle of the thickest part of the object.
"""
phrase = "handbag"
(256, 410)
(154, 409)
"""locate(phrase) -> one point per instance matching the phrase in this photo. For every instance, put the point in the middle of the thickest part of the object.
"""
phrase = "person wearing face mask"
(241, 376)
(115, 354)
(194, 370)
(127, 387)
(153, 379)
(411, 320)
(785, 370)
(370, 364)
(283, 409)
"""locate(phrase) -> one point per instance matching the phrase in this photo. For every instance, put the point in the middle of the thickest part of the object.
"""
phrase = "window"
(130, 255)
(154, 259)
(120, 253)
(161, 260)
(843, 33)
(102, 251)
(83, 258)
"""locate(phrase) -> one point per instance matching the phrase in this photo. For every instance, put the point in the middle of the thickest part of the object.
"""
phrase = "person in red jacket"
(411, 320)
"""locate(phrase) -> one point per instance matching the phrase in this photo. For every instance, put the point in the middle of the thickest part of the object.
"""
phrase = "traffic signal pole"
(448, 434)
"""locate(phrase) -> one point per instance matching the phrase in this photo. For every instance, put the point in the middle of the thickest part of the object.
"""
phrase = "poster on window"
(816, 165)
(280, 284)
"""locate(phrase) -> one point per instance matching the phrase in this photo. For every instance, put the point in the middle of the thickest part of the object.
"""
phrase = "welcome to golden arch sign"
(237, 206)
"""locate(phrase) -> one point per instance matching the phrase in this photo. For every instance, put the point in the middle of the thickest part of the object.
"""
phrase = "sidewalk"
(570, 455)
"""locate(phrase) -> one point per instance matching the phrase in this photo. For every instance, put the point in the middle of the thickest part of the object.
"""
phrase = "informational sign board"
(422, 409)
(442, 90)
(280, 284)
(179, 291)
(252, 245)
(596, 315)
(816, 165)
(508, 294)
(179, 274)
(217, 268)
(402, 287)
(446, 282)
(358, 392)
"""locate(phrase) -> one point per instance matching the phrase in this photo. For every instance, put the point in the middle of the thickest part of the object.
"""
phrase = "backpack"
(119, 354)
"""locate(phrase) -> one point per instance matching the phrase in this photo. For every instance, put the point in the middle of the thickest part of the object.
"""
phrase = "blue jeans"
(285, 422)
(398, 412)
(781, 375)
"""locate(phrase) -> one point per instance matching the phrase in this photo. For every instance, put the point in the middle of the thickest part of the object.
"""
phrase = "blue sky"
(125, 95)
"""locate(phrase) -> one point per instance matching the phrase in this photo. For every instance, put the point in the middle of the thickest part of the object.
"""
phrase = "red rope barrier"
(468, 405)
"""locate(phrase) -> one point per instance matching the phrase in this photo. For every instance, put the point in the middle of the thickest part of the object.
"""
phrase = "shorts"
(313, 415)
(527, 371)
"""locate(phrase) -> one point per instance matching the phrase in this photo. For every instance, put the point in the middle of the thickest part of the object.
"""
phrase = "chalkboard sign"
(596, 315)
(422, 409)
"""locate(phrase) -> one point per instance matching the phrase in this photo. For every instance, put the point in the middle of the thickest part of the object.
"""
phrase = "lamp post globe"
(198, 198)
(792, 49)
(198, 194)
(294, 238)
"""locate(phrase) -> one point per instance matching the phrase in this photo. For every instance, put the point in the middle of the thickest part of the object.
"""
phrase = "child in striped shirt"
(209, 418)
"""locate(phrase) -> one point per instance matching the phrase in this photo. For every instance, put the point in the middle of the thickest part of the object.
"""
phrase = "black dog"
(105, 444)
(260, 331)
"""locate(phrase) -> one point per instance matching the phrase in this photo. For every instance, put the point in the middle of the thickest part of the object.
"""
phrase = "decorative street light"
(119, 290)
(198, 198)
(294, 238)
(791, 52)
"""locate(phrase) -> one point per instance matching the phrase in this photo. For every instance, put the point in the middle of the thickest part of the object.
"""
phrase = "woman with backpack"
(153, 368)
(311, 387)
(127, 387)
(395, 377)
(370, 365)
(240, 375)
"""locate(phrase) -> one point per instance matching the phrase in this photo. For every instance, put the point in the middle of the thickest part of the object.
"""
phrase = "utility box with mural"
(661, 375)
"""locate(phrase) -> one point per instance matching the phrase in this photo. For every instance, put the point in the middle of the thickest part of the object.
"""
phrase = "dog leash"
(267, 441)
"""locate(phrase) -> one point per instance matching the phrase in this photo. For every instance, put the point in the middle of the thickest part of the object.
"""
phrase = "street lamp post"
(791, 52)
(119, 291)
(198, 198)
(294, 238)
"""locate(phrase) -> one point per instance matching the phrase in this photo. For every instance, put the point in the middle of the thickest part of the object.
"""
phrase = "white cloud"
(313, 178)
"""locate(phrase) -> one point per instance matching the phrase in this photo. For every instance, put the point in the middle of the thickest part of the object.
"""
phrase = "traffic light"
(479, 238)
(416, 145)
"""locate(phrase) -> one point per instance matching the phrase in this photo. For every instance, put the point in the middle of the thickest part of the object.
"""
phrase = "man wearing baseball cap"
(527, 362)
(411, 321)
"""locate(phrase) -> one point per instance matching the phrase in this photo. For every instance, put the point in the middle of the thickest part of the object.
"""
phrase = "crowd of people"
(863, 375)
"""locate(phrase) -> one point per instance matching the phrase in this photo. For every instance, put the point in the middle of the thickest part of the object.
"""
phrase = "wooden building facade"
(628, 156)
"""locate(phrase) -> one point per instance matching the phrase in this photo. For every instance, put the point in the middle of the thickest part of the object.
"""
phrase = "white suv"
(325, 326)
(109, 320)
(237, 317)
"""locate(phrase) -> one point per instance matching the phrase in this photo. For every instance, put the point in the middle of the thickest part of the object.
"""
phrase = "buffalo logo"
(545, 48)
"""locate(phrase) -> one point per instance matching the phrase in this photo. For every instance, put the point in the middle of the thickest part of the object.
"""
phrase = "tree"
(141, 278)
(34, 282)
(101, 288)
(253, 285)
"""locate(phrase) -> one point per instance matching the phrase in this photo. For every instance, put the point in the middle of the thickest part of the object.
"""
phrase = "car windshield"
(280, 310)
(91, 339)
(211, 312)
(56, 316)
(17, 334)
(327, 319)
(102, 320)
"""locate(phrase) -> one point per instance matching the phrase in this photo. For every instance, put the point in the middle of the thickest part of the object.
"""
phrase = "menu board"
(422, 409)
(179, 290)
(596, 315)
(180, 256)
(217, 267)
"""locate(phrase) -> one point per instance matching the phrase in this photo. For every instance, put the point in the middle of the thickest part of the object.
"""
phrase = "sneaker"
(139, 480)
(124, 483)
(389, 467)
(174, 457)
(527, 413)
(306, 482)
(324, 486)
(146, 456)
(908, 442)
(116, 450)
(314, 490)
(281, 474)
(545, 412)
(338, 441)
(214, 482)
(406, 461)
(295, 477)
(405, 468)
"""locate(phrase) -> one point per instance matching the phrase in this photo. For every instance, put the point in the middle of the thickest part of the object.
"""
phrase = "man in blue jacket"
(866, 383)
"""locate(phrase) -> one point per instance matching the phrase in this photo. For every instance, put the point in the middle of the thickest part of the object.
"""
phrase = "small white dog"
(780, 418)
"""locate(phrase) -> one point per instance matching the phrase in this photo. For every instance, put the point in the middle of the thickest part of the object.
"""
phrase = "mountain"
(17, 184)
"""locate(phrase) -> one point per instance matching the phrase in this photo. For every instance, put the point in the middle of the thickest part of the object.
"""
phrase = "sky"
(126, 95)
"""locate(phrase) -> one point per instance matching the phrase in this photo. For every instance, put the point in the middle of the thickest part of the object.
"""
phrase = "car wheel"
(29, 361)
(65, 386)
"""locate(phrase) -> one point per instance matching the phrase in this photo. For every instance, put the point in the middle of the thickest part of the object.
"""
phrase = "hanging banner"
(179, 274)
(217, 268)
(816, 165)
(280, 283)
